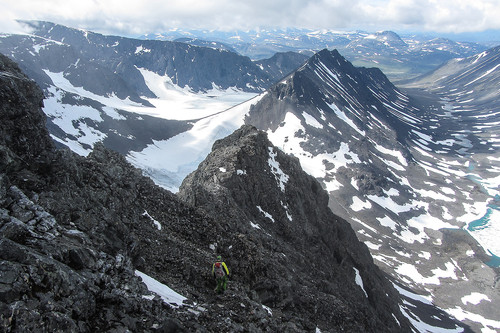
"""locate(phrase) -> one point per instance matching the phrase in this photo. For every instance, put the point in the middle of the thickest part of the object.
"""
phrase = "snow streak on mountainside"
(331, 115)
(470, 82)
(468, 90)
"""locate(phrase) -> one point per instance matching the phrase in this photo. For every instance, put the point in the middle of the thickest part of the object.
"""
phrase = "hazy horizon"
(459, 18)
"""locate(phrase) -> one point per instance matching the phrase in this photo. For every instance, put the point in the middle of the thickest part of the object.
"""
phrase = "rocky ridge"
(312, 256)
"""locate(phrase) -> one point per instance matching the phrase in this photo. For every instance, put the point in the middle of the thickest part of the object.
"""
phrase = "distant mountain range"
(400, 57)
(412, 167)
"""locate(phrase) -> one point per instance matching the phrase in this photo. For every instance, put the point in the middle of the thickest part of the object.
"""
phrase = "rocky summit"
(89, 244)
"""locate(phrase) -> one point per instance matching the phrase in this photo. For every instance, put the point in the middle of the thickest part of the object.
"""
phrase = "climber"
(221, 274)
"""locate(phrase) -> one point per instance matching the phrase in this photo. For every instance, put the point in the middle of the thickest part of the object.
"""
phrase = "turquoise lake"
(482, 223)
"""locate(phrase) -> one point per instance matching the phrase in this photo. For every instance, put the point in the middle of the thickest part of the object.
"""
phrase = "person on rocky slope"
(221, 273)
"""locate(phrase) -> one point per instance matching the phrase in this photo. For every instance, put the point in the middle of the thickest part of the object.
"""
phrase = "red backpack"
(219, 270)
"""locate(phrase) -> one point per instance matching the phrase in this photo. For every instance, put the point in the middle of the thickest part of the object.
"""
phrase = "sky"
(137, 17)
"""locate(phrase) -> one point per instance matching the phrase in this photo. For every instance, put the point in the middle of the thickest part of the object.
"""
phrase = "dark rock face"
(297, 254)
(66, 250)
(282, 63)
(66, 257)
(20, 105)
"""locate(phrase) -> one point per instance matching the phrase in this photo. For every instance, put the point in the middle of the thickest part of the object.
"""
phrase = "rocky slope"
(299, 254)
(472, 82)
(76, 231)
(336, 118)
(67, 226)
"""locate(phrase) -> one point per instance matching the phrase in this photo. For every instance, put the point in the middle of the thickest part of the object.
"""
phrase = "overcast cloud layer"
(137, 17)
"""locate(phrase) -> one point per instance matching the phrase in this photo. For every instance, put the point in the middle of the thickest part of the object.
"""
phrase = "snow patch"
(372, 245)
(111, 100)
(425, 255)
(434, 195)
(168, 295)
(69, 119)
(174, 102)
(311, 121)
(155, 222)
(389, 204)
(412, 273)
(170, 161)
(341, 115)
(280, 176)
(475, 298)
(359, 281)
(489, 325)
(268, 309)
(358, 204)
(386, 221)
(256, 226)
(392, 152)
(266, 214)
(417, 323)
(141, 49)
(289, 137)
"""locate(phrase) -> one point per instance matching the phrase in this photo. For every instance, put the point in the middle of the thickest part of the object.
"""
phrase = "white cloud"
(137, 17)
